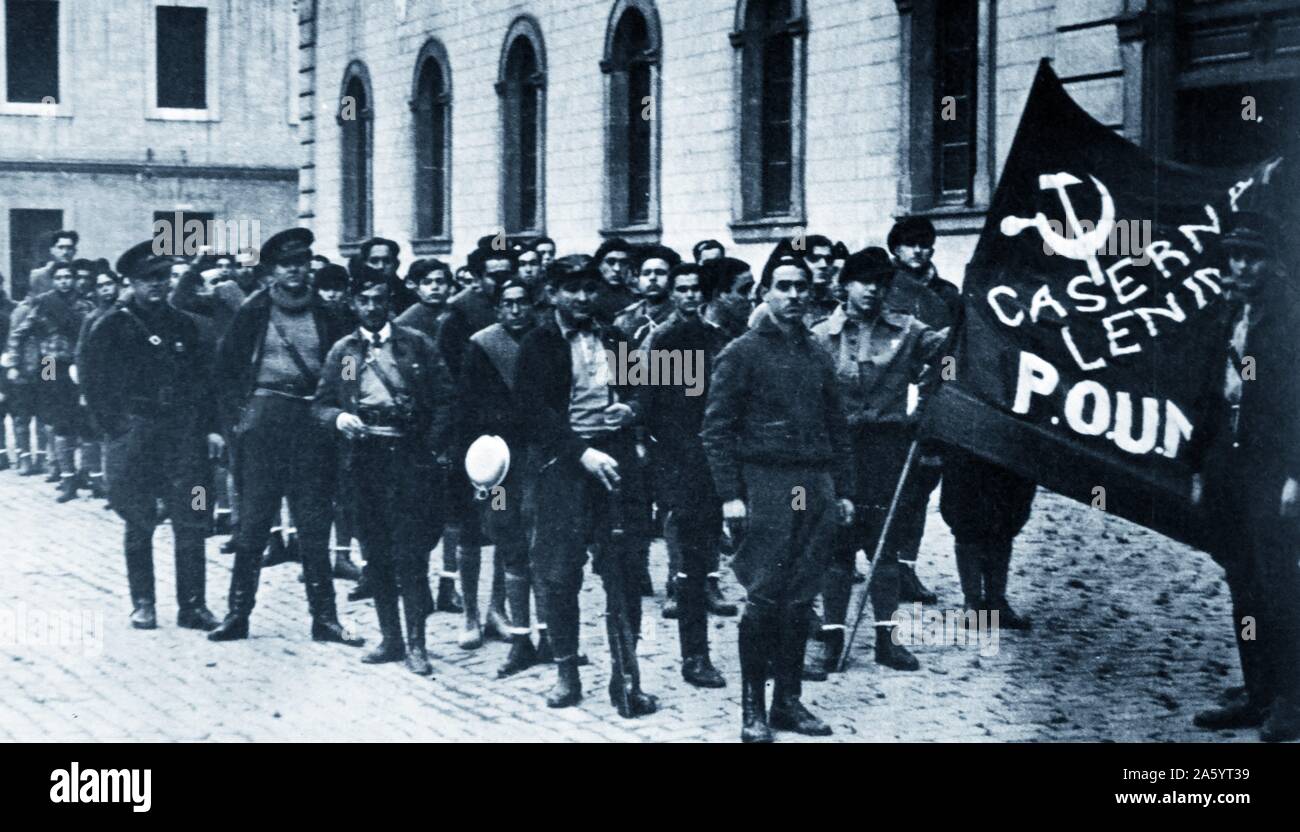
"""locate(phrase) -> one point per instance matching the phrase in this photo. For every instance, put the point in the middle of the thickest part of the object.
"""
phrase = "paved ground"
(1131, 638)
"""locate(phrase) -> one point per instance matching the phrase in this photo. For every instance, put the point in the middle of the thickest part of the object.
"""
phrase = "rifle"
(622, 645)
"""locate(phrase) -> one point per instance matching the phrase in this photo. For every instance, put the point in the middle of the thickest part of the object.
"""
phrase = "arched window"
(769, 38)
(356, 129)
(631, 68)
(521, 87)
(431, 109)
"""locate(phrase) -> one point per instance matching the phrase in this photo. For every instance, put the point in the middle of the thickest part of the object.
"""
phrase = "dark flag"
(1093, 342)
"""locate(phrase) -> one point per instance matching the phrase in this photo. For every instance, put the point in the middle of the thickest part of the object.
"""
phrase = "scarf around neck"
(288, 302)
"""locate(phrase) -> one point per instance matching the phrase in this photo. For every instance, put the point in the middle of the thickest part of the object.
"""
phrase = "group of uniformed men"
(306, 398)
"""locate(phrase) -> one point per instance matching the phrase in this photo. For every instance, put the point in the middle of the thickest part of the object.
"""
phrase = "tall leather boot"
(67, 491)
(997, 563)
(496, 625)
(883, 590)
(191, 579)
(788, 713)
(562, 611)
(693, 631)
(318, 581)
(65, 450)
(470, 559)
(413, 609)
(522, 654)
(757, 641)
(1251, 709)
(391, 647)
(243, 595)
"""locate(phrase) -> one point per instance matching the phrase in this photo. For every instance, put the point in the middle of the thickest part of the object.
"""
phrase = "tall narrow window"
(431, 107)
(182, 49)
(32, 51)
(770, 38)
(956, 65)
(522, 88)
(631, 148)
(355, 119)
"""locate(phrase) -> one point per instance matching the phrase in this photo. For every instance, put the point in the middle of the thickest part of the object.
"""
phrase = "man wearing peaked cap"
(268, 364)
(148, 389)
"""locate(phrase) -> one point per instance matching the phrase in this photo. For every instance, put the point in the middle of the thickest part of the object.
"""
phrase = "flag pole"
(880, 547)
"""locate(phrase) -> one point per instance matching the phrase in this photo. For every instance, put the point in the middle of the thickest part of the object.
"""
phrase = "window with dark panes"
(522, 140)
(767, 140)
(630, 159)
(182, 39)
(432, 145)
(354, 128)
(956, 64)
(32, 51)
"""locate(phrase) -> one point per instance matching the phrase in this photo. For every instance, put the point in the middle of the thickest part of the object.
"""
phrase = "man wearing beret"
(778, 446)
(268, 365)
(385, 389)
(582, 461)
(149, 391)
(919, 291)
(877, 354)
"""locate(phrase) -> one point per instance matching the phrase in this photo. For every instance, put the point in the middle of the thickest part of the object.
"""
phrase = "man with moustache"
(149, 391)
(776, 440)
(673, 414)
(487, 407)
(268, 365)
(611, 261)
(1247, 459)
(581, 457)
(639, 319)
(877, 353)
(387, 392)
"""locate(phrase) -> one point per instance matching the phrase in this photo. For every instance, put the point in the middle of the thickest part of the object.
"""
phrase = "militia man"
(63, 249)
(612, 261)
(386, 390)
(487, 407)
(582, 458)
(268, 365)
(778, 447)
(877, 353)
(149, 391)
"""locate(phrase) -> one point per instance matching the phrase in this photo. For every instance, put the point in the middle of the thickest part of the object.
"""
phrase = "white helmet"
(486, 462)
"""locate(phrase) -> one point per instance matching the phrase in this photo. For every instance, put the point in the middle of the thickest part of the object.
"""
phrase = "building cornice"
(244, 172)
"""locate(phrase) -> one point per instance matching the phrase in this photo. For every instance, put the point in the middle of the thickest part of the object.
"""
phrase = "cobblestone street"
(1130, 638)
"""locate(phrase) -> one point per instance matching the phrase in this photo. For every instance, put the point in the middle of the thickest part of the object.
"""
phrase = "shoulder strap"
(294, 355)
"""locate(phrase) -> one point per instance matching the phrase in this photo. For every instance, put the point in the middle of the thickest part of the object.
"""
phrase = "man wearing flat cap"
(268, 365)
(1247, 459)
(878, 353)
(147, 387)
(387, 393)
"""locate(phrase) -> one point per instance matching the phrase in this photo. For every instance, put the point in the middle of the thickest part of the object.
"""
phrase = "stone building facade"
(113, 113)
(436, 122)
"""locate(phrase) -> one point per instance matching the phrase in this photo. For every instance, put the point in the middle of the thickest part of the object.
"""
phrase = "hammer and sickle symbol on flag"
(1080, 244)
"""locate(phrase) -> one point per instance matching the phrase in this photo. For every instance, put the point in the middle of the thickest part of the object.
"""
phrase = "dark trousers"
(1258, 551)
(284, 453)
(696, 530)
(398, 496)
(879, 454)
(507, 526)
(161, 458)
(572, 511)
(789, 534)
